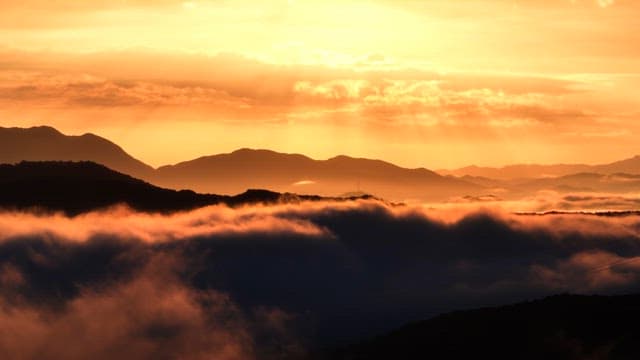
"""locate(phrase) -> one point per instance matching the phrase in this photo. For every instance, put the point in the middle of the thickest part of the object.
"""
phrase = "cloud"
(590, 271)
(260, 104)
(598, 202)
(124, 79)
(67, 5)
(304, 182)
(545, 201)
(150, 316)
(303, 273)
(84, 90)
(232, 88)
(605, 3)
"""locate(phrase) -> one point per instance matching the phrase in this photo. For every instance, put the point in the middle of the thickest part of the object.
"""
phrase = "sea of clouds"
(265, 281)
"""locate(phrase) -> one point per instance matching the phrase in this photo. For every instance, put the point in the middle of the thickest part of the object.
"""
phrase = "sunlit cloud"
(512, 78)
(605, 3)
(304, 182)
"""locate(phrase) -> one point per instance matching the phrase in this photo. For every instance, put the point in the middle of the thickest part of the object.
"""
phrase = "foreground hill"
(45, 143)
(247, 168)
(558, 327)
(76, 187)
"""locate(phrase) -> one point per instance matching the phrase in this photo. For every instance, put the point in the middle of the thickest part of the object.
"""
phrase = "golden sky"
(420, 83)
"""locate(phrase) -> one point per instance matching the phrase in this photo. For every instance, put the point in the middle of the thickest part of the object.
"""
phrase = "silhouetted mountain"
(45, 143)
(628, 166)
(486, 182)
(619, 183)
(240, 170)
(584, 182)
(518, 171)
(76, 187)
(558, 327)
(246, 168)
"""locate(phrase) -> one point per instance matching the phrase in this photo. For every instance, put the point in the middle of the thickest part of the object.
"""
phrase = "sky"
(432, 83)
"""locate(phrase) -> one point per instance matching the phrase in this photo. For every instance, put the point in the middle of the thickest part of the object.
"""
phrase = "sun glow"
(493, 82)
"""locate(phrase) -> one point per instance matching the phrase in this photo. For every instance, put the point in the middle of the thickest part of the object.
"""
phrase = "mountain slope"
(628, 166)
(588, 182)
(240, 170)
(517, 171)
(45, 143)
(558, 327)
(246, 168)
(76, 187)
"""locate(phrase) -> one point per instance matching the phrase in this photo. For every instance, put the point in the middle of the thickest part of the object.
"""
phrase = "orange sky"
(421, 83)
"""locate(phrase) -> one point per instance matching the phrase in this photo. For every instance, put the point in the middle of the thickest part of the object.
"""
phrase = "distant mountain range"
(520, 171)
(244, 169)
(558, 327)
(240, 170)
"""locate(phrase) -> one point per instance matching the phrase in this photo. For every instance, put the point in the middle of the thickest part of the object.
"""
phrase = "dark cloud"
(254, 276)
(149, 316)
(599, 202)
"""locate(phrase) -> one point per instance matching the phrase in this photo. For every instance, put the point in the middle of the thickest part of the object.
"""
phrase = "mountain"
(628, 166)
(583, 182)
(76, 187)
(558, 327)
(247, 168)
(45, 143)
(519, 171)
(587, 182)
(240, 170)
(244, 169)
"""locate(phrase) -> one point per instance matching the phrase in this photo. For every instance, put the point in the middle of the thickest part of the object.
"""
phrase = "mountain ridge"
(78, 187)
(26, 144)
(531, 170)
(234, 172)
(229, 172)
(246, 168)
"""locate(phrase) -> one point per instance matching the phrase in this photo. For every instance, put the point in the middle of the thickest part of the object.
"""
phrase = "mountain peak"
(91, 135)
(36, 130)
(43, 129)
(250, 151)
(247, 150)
(45, 143)
(265, 155)
(341, 158)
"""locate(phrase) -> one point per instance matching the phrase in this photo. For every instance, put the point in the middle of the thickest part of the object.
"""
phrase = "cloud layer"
(233, 283)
